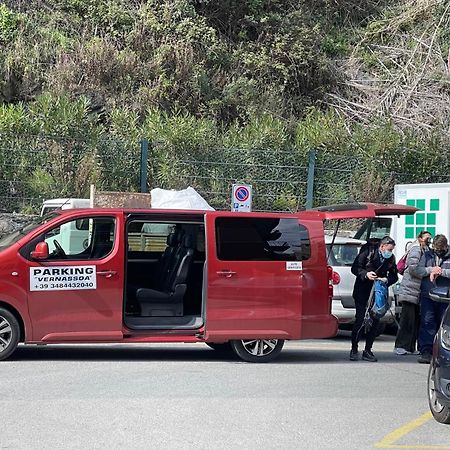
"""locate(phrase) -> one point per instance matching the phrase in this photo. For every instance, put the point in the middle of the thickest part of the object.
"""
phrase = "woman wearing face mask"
(372, 263)
(408, 296)
(434, 263)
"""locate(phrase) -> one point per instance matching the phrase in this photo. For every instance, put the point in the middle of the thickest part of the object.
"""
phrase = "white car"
(341, 257)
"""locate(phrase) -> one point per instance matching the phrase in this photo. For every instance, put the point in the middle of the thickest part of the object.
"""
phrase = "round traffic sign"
(242, 193)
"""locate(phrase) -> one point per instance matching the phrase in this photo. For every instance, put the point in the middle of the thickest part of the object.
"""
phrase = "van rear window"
(255, 239)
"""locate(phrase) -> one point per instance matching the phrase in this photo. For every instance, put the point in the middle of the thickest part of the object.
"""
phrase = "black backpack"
(371, 246)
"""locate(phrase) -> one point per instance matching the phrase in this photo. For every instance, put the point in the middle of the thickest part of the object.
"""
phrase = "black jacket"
(369, 259)
(430, 259)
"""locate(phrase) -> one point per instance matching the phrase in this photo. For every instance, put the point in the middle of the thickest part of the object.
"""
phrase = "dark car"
(439, 373)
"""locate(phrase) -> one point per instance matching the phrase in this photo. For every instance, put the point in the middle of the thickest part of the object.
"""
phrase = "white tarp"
(185, 199)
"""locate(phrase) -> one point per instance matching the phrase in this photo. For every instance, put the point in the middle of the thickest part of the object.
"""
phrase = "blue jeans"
(431, 313)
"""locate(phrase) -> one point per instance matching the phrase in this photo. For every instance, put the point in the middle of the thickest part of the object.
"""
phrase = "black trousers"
(358, 327)
(409, 327)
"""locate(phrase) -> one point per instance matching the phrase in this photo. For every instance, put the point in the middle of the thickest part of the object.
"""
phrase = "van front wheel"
(257, 350)
(9, 333)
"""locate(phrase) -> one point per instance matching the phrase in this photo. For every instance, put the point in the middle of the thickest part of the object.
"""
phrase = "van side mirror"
(40, 251)
(440, 294)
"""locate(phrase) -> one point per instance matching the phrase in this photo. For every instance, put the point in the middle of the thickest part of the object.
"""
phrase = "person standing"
(372, 263)
(408, 296)
(434, 263)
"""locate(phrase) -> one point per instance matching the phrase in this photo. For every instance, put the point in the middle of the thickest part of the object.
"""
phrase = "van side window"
(79, 239)
(254, 239)
(148, 236)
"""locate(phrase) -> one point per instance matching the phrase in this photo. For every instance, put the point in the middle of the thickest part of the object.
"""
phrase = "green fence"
(33, 168)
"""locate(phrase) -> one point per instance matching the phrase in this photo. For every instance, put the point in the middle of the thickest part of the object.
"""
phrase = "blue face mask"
(386, 254)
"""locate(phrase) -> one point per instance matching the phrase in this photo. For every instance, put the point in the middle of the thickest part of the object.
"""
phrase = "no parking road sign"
(241, 198)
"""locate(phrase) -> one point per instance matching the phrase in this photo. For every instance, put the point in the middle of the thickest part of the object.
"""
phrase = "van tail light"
(330, 282)
(335, 278)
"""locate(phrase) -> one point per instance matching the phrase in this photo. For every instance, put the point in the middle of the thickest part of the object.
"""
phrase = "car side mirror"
(440, 294)
(40, 251)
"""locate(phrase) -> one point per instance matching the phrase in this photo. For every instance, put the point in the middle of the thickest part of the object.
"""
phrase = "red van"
(240, 281)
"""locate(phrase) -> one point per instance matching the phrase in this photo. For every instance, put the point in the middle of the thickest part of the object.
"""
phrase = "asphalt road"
(189, 397)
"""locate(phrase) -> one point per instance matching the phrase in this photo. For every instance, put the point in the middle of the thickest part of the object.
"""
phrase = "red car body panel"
(243, 299)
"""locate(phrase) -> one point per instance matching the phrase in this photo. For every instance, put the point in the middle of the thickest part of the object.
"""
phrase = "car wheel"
(9, 333)
(257, 350)
(222, 348)
(440, 412)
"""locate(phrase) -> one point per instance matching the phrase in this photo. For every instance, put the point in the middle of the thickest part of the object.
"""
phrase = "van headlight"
(445, 337)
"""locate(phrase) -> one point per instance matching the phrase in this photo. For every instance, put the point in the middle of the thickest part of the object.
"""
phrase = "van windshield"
(11, 238)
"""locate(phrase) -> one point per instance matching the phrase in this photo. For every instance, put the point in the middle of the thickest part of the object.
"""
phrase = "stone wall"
(12, 222)
(107, 199)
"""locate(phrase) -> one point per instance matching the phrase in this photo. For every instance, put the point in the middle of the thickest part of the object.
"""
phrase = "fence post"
(143, 167)
(310, 184)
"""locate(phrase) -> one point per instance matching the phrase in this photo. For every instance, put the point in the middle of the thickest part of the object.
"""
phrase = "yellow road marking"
(390, 440)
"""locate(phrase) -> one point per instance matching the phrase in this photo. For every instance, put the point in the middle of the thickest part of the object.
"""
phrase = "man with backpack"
(375, 262)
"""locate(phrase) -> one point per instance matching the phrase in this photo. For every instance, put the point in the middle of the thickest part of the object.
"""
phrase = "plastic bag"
(381, 302)
(185, 199)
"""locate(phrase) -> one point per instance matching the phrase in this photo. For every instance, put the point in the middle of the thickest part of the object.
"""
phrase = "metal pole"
(310, 185)
(143, 168)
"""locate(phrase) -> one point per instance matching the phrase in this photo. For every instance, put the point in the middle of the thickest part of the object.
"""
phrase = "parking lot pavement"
(189, 396)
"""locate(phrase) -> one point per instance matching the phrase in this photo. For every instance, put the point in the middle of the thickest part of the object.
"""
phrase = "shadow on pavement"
(324, 351)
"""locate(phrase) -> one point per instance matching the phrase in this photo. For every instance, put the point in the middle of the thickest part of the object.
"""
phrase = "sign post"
(241, 198)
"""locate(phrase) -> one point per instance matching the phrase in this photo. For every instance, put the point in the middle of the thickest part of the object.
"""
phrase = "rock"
(12, 222)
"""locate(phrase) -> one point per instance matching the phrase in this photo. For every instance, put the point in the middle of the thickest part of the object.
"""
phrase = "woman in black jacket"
(372, 263)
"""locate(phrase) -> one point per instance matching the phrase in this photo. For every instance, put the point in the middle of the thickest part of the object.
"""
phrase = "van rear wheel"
(257, 350)
(9, 333)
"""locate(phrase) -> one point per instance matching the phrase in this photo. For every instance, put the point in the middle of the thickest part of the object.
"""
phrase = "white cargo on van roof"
(64, 203)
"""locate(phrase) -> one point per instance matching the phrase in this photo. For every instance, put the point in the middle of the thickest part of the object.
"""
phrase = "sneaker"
(415, 352)
(354, 355)
(400, 351)
(424, 358)
(369, 356)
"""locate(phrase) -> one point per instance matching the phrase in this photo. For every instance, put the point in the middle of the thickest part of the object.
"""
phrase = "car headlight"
(445, 337)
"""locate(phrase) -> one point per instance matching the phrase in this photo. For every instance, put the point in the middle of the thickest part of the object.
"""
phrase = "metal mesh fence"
(350, 177)
(33, 168)
(278, 179)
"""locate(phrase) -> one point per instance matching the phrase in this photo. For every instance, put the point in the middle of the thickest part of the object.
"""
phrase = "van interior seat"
(169, 300)
(102, 243)
(168, 258)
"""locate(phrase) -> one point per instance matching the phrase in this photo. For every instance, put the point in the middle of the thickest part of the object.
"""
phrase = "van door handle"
(226, 273)
(107, 273)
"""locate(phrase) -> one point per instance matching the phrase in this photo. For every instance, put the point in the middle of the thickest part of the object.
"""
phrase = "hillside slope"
(399, 68)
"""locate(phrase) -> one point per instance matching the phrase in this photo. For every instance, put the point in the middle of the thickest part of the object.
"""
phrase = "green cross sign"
(422, 220)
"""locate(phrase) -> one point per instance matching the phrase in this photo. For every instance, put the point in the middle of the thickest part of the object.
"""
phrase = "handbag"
(401, 265)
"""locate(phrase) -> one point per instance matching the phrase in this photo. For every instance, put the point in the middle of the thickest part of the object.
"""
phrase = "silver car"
(341, 257)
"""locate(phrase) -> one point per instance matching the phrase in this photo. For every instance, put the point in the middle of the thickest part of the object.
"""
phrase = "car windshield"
(11, 238)
(343, 254)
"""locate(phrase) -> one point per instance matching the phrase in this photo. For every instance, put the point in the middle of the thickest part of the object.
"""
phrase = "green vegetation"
(363, 83)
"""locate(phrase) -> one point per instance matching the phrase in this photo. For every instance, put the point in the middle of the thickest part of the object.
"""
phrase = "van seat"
(169, 300)
(102, 243)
